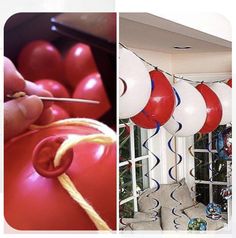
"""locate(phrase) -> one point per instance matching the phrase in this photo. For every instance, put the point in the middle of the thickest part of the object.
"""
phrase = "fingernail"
(30, 106)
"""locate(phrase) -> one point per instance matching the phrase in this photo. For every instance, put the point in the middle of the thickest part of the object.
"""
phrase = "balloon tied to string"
(106, 136)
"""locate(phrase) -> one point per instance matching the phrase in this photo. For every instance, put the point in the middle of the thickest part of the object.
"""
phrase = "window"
(211, 173)
(133, 166)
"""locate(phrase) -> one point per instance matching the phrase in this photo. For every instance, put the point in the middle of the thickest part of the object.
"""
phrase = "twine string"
(108, 136)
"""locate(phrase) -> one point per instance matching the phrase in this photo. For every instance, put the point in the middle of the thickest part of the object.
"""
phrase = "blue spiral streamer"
(178, 162)
(178, 97)
(157, 187)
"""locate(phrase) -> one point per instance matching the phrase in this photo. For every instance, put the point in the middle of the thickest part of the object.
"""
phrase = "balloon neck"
(44, 155)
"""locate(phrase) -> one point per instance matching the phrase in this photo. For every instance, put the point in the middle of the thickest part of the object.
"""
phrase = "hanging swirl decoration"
(199, 162)
(157, 187)
(175, 166)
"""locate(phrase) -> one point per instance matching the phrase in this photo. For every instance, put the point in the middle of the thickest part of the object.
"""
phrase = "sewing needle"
(78, 100)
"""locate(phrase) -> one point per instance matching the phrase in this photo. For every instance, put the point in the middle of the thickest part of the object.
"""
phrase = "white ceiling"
(146, 31)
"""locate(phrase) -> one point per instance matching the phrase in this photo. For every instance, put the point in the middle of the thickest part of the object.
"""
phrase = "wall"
(216, 62)
(163, 60)
(209, 22)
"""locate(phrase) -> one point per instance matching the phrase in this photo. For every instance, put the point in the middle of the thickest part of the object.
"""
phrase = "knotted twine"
(107, 136)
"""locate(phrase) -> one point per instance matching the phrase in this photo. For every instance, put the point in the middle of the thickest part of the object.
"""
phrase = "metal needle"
(78, 100)
(69, 100)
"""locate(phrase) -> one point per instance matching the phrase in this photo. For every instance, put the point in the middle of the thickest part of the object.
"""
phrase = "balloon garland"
(203, 115)
(203, 108)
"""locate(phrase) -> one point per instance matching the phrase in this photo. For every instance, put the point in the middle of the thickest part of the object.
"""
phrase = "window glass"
(140, 136)
(217, 198)
(127, 209)
(124, 144)
(201, 166)
(141, 175)
(200, 142)
(219, 169)
(125, 187)
(202, 192)
(214, 136)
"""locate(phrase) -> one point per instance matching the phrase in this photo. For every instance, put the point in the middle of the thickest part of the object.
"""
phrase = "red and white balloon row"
(149, 99)
(74, 75)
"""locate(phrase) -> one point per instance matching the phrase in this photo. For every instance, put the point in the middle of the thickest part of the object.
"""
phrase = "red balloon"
(214, 108)
(230, 83)
(142, 120)
(92, 88)
(59, 113)
(57, 89)
(161, 103)
(40, 59)
(79, 63)
(37, 201)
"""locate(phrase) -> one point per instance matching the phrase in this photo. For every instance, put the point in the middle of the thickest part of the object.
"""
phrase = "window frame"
(133, 160)
(190, 141)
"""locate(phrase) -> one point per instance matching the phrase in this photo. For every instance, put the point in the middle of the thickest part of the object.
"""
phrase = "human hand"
(20, 113)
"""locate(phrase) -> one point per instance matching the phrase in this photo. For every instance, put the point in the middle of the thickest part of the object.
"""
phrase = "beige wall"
(216, 62)
(187, 63)
(163, 60)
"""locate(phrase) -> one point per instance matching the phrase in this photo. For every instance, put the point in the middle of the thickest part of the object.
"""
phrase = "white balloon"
(137, 84)
(121, 87)
(224, 93)
(191, 112)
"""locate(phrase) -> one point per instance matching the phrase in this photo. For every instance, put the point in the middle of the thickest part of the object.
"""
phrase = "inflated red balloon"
(59, 113)
(144, 121)
(161, 103)
(79, 63)
(33, 197)
(230, 83)
(91, 87)
(57, 89)
(40, 59)
(214, 108)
